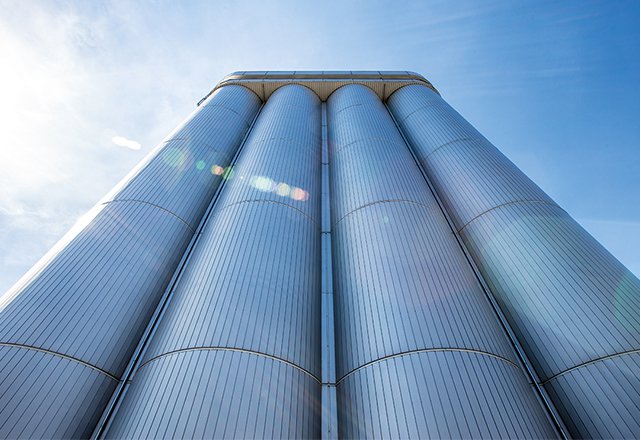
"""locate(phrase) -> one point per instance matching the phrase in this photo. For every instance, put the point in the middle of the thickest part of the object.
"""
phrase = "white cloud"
(77, 74)
(122, 141)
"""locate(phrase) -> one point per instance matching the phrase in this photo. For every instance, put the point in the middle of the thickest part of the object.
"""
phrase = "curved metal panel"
(439, 395)
(253, 282)
(301, 124)
(282, 163)
(351, 105)
(219, 394)
(416, 105)
(575, 302)
(361, 162)
(179, 179)
(362, 167)
(234, 98)
(186, 170)
(456, 155)
(92, 301)
(251, 287)
(567, 299)
(486, 177)
(47, 396)
(210, 125)
(601, 398)
(402, 285)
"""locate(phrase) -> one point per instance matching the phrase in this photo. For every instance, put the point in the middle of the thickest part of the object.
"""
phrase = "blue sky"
(553, 85)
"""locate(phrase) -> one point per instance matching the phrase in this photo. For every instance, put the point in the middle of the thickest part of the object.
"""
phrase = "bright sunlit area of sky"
(88, 88)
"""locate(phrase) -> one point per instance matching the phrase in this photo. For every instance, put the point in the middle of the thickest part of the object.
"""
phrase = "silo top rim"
(325, 74)
(322, 82)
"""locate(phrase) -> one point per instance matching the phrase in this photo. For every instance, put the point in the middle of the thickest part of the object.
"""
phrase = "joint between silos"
(329, 422)
(60, 355)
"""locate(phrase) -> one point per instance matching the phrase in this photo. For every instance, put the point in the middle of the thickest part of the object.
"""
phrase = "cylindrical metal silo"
(237, 352)
(419, 351)
(573, 307)
(68, 330)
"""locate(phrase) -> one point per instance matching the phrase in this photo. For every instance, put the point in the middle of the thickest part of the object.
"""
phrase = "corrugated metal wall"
(68, 331)
(238, 350)
(419, 351)
(237, 353)
(574, 308)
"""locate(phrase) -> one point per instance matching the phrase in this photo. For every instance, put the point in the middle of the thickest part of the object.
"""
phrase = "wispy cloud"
(122, 141)
(77, 75)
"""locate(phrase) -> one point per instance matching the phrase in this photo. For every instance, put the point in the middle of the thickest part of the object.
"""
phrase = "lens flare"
(262, 183)
(228, 173)
(299, 194)
(282, 189)
(217, 170)
(200, 165)
(175, 158)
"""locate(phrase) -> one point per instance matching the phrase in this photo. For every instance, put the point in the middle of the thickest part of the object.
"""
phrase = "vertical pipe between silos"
(329, 397)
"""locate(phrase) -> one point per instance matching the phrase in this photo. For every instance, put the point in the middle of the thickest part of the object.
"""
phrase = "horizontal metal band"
(378, 202)
(514, 202)
(235, 349)
(247, 123)
(429, 350)
(155, 206)
(348, 107)
(593, 361)
(61, 355)
(269, 201)
(431, 104)
(206, 144)
(454, 141)
(325, 74)
(338, 148)
(283, 140)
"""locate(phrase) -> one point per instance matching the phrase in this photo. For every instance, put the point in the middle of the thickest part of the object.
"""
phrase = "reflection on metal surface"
(89, 301)
(411, 319)
(265, 184)
(302, 273)
(572, 306)
(246, 309)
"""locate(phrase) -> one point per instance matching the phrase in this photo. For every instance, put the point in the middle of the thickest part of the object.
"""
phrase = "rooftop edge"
(322, 82)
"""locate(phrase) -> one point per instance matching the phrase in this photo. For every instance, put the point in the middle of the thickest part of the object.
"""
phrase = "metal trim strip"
(61, 355)
(587, 363)
(427, 350)
(235, 349)
(155, 206)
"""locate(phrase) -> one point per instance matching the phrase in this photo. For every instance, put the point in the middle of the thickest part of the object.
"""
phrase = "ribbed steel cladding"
(237, 353)
(574, 308)
(419, 350)
(67, 333)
